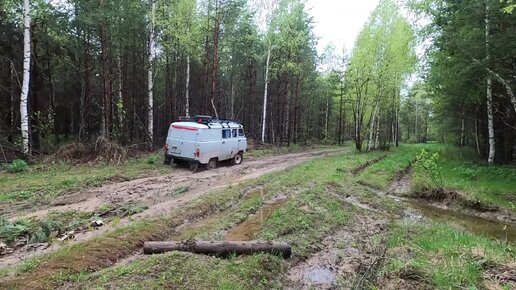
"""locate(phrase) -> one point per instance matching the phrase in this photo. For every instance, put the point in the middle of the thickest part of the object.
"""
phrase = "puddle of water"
(474, 224)
(320, 276)
(248, 230)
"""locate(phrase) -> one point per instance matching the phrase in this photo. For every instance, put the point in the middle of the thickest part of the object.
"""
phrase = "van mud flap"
(194, 166)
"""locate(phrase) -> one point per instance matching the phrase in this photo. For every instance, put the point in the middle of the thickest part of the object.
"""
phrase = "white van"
(205, 140)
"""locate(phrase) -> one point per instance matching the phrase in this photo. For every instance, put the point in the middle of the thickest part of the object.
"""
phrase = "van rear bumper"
(180, 158)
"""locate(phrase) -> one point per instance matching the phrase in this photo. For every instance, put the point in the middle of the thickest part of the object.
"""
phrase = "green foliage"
(428, 171)
(33, 231)
(179, 190)
(153, 158)
(17, 165)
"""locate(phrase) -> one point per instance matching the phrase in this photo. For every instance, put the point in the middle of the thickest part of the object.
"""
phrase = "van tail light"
(165, 147)
(197, 153)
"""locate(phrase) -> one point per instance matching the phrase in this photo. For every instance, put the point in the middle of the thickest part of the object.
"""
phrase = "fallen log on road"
(219, 248)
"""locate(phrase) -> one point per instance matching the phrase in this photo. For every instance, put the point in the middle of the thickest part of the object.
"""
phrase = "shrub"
(17, 165)
(428, 171)
(152, 159)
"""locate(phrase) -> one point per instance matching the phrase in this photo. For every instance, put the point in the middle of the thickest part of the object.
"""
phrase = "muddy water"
(461, 221)
(249, 229)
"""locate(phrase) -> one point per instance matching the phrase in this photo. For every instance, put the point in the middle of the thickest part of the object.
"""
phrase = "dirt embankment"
(158, 195)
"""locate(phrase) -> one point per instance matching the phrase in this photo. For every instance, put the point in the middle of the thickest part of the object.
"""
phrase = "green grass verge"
(293, 148)
(380, 174)
(463, 172)
(443, 257)
(188, 271)
(46, 181)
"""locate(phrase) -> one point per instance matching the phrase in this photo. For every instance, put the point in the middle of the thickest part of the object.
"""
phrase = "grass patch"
(47, 181)
(444, 257)
(178, 191)
(306, 219)
(293, 148)
(380, 174)
(188, 271)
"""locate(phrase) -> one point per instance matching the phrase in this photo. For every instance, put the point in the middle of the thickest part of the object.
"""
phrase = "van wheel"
(212, 164)
(193, 167)
(167, 161)
(238, 159)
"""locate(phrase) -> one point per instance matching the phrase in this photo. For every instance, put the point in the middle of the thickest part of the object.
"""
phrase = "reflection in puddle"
(474, 224)
(320, 276)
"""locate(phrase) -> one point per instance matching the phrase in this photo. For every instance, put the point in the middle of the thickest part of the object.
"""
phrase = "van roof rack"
(206, 120)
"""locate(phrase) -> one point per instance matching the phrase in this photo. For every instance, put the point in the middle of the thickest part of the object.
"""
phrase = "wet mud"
(343, 257)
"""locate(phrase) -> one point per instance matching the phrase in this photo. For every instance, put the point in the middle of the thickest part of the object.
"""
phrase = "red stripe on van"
(183, 128)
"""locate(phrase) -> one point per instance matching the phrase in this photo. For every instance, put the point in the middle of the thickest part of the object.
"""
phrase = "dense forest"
(74, 70)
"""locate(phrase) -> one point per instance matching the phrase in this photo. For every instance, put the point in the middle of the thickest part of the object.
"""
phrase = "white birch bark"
(370, 144)
(264, 118)
(150, 124)
(377, 136)
(26, 79)
(489, 93)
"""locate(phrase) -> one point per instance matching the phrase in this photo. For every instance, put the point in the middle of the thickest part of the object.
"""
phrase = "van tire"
(193, 166)
(238, 159)
(167, 161)
(212, 164)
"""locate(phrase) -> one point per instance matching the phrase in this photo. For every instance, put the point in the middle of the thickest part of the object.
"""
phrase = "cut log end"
(219, 248)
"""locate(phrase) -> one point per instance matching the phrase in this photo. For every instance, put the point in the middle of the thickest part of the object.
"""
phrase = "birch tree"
(489, 93)
(150, 75)
(26, 78)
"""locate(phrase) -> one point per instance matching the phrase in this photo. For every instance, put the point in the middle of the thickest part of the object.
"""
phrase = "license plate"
(174, 150)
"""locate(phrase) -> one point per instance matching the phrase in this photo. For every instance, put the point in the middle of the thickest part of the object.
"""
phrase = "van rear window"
(182, 133)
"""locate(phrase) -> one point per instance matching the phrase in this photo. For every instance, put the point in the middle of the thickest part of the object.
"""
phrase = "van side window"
(234, 133)
(226, 133)
(241, 132)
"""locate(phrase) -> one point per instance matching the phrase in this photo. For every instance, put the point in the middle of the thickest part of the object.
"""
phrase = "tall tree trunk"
(12, 114)
(327, 118)
(106, 74)
(187, 86)
(150, 82)
(53, 105)
(370, 144)
(341, 103)
(397, 125)
(26, 79)
(462, 128)
(377, 133)
(120, 102)
(264, 117)
(489, 93)
(215, 65)
(416, 126)
(477, 136)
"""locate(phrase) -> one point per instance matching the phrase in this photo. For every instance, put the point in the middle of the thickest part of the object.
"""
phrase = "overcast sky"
(339, 21)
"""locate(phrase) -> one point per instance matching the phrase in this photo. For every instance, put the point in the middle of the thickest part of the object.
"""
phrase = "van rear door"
(182, 140)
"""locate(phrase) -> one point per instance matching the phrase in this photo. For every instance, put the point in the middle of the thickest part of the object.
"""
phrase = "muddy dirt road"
(159, 194)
